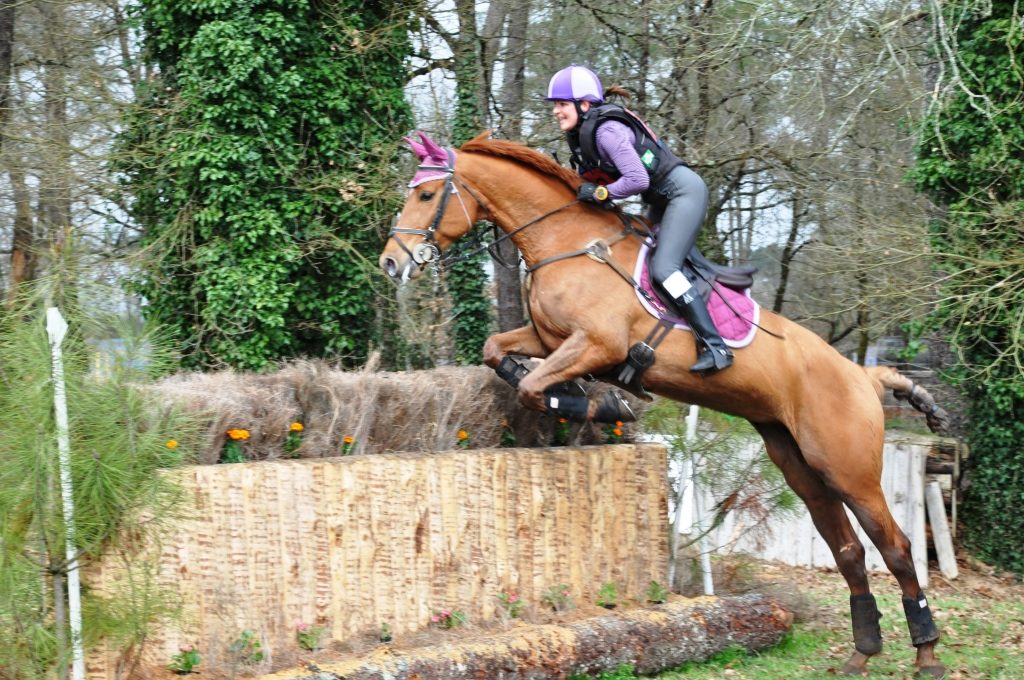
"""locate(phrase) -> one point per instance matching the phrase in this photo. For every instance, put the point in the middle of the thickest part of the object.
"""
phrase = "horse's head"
(439, 210)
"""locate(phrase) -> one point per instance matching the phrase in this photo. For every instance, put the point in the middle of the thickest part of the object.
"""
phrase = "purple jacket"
(615, 144)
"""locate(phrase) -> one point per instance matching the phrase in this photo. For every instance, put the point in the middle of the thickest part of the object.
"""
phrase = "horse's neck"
(555, 226)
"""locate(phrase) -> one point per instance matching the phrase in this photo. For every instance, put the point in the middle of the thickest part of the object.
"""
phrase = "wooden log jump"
(351, 543)
(650, 640)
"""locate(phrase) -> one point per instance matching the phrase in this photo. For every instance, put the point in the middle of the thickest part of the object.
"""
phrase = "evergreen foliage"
(118, 441)
(471, 306)
(258, 163)
(971, 161)
(466, 280)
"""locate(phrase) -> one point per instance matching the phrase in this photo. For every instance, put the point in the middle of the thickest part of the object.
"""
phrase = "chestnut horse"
(820, 414)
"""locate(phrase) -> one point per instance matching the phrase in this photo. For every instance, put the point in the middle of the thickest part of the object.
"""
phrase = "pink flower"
(188, 648)
(513, 598)
(445, 613)
(301, 627)
(435, 618)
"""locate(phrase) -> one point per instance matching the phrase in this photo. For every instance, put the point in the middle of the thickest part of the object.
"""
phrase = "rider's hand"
(592, 193)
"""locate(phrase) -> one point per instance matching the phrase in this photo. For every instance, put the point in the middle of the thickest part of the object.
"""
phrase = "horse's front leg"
(577, 356)
(523, 341)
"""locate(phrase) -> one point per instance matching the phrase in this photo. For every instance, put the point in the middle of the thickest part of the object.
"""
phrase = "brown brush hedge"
(367, 411)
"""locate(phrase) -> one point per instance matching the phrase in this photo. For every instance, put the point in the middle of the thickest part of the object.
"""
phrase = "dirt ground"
(793, 584)
(817, 597)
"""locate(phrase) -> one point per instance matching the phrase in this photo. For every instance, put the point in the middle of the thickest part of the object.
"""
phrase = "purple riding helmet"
(577, 84)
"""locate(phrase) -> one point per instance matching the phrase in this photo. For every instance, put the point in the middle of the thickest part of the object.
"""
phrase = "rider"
(619, 156)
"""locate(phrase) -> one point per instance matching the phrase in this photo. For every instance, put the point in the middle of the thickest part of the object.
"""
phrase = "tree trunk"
(651, 640)
(490, 41)
(468, 75)
(643, 66)
(507, 281)
(467, 281)
(7, 11)
(60, 624)
(863, 320)
(23, 255)
(55, 167)
(788, 253)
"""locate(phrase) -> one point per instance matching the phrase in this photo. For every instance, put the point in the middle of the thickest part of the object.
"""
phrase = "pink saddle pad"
(735, 315)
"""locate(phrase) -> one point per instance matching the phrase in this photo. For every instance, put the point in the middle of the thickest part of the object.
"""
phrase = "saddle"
(704, 274)
(725, 290)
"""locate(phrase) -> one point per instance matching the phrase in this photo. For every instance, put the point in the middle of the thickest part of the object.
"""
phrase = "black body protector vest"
(585, 159)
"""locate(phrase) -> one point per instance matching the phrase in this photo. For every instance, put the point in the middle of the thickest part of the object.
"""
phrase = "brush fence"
(351, 543)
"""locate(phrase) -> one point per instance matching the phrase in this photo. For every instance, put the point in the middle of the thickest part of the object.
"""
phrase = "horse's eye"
(426, 195)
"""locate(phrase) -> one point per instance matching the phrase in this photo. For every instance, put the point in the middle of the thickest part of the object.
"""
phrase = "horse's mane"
(515, 151)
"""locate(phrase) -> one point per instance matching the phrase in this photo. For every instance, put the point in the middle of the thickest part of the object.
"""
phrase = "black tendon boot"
(867, 633)
(713, 355)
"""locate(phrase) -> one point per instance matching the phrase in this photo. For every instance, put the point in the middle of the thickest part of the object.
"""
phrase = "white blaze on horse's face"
(407, 255)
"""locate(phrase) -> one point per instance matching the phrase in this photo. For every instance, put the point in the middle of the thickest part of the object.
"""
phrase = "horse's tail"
(904, 388)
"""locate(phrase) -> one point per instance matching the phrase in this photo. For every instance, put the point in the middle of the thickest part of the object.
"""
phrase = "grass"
(981, 619)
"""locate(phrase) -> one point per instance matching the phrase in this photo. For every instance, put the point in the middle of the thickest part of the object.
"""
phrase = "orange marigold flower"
(238, 434)
(562, 420)
(296, 427)
(463, 435)
(172, 443)
(617, 432)
(618, 423)
(348, 439)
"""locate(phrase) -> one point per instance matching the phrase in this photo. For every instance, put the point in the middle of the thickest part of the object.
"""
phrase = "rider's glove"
(592, 193)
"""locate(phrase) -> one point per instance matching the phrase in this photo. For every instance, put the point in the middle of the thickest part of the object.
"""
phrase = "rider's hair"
(617, 91)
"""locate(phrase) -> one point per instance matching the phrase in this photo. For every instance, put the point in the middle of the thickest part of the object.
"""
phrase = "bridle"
(430, 250)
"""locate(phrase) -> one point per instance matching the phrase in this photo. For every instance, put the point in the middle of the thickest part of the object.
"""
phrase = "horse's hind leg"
(871, 510)
(850, 464)
(830, 519)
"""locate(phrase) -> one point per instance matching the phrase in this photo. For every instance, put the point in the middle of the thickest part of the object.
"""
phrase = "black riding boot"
(713, 354)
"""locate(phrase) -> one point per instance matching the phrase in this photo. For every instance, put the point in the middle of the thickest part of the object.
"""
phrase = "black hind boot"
(713, 354)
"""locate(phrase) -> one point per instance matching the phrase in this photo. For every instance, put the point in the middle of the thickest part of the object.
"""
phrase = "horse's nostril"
(390, 266)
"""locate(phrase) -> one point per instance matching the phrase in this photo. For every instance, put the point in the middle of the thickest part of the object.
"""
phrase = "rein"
(506, 236)
(430, 251)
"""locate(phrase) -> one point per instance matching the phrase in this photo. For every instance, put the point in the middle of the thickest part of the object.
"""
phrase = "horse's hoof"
(857, 664)
(936, 671)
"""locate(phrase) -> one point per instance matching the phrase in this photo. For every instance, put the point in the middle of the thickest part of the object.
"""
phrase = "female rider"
(619, 156)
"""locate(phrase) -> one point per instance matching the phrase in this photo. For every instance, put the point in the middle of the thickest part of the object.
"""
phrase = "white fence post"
(56, 329)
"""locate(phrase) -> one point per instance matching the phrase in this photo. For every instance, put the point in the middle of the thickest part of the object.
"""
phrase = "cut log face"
(650, 640)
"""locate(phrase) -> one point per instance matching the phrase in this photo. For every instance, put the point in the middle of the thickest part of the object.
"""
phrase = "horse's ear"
(434, 150)
(417, 148)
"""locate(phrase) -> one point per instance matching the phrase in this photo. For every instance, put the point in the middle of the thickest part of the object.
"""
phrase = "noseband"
(430, 250)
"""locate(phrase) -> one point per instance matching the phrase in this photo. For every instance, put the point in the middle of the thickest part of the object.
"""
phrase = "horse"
(819, 413)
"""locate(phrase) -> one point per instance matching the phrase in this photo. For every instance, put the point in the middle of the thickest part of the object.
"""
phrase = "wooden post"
(940, 530)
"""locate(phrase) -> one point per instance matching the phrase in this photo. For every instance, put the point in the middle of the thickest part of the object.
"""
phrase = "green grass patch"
(981, 638)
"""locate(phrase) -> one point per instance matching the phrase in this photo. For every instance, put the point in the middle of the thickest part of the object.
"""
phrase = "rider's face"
(565, 114)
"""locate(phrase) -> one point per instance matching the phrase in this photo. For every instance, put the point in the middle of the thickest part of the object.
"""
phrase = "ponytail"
(617, 91)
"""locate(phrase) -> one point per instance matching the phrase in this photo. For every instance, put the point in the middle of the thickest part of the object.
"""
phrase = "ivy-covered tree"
(467, 280)
(258, 164)
(971, 161)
